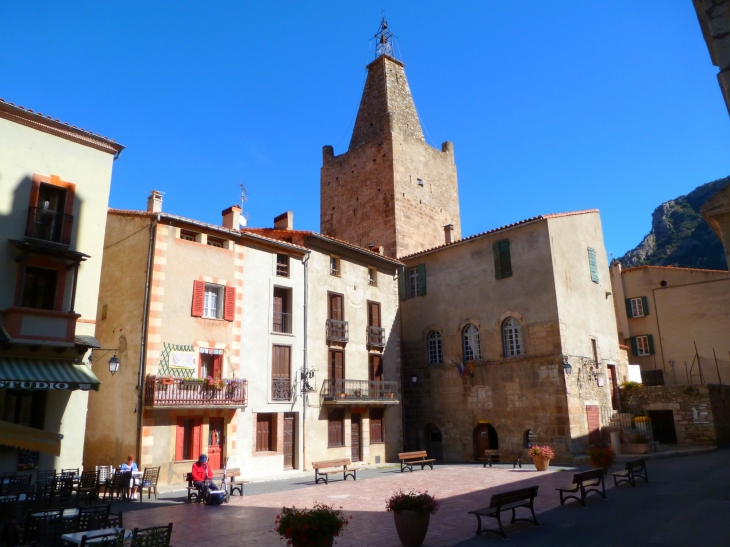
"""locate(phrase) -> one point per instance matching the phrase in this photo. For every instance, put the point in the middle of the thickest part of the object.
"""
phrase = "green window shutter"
(421, 280)
(645, 304)
(402, 285)
(505, 258)
(634, 347)
(651, 344)
(629, 311)
(593, 264)
(497, 260)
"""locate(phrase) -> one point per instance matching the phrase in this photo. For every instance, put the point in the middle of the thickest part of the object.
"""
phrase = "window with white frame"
(512, 337)
(435, 355)
(472, 348)
(213, 302)
(637, 307)
(642, 345)
(334, 266)
(372, 277)
(412, 282)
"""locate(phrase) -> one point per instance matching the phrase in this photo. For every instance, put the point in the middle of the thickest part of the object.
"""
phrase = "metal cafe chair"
(93, 518)
(88, 485)
(19, 484)
(115, 539)
(149, 481)
(156, 536)
(44, 479)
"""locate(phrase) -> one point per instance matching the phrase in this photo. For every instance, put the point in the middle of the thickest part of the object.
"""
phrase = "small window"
(643, 347)
(335, 428)
(282, 265)
(25, 407)
(412, 282)
(512, 337)
(637, 307)
(215, 242)
(265, 433)
(213, 303)
(335, 266)
(472, 348)
(376, 425)
(435, 355)
(593, 264)
(502, 259)
(372, 277)
(419, 182)
(39, 288)
(187, 235)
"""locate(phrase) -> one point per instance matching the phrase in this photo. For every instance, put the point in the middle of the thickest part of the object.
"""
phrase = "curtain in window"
(472, 349)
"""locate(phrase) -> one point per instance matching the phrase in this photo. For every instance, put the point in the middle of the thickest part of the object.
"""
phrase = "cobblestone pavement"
(250, 520)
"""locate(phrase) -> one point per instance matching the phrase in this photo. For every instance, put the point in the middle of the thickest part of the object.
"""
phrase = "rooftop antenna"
(243, 219)
(384, 40)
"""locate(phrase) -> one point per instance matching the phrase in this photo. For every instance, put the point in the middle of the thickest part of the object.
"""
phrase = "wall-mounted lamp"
(414, 379)
(114, 364)
(567, 366)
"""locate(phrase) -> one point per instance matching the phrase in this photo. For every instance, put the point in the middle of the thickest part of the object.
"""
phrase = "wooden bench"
(329, 464)
(585, 483)
(408, 459)
(635, 469)
(233, 484)
(192, 489)
(506, 501)
(504, 456)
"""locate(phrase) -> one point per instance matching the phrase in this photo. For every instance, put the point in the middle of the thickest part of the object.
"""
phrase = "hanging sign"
(182, 359)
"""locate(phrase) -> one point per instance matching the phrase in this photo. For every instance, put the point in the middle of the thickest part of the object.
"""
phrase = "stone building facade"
(390, 188)
(714, 18)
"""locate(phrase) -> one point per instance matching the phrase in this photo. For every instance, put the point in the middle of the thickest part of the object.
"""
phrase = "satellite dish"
(242, 221)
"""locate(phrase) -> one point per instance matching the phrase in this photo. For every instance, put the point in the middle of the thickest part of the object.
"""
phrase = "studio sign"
(15, 384)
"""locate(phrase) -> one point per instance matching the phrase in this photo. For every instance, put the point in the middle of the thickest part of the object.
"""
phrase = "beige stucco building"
(54, 192)
(509, 338)
(669, 317)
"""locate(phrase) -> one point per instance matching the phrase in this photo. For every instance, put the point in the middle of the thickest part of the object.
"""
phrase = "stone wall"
(720, 405)
(714, 18)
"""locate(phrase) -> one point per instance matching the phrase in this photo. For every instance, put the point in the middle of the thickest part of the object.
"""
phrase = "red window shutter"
(376, 425)
(229, 309)
(217, 366)
(197, 434)
(198, 298)
(179, 439)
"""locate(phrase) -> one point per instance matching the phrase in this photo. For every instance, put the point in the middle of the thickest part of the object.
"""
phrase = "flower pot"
(541, 462)
(411, 526)
(325, 542)
(638, 448)
(167, 381)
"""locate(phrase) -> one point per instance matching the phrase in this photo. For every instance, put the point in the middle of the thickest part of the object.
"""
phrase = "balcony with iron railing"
(345, 391)
(376, 337)
(49, 225)
(282, 322)
(168, 392)
(337, 331)
(281, 389)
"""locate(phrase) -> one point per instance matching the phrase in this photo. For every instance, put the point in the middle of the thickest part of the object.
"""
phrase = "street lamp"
(114, 364)
(567, 366)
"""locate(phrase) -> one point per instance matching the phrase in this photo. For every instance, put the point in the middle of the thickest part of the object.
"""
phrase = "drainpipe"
(143, 344)
(305, 263)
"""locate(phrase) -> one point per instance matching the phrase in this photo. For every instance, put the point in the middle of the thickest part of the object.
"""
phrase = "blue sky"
(551, 108)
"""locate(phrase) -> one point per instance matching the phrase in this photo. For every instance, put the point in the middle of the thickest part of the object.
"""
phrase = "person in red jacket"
(202, 476)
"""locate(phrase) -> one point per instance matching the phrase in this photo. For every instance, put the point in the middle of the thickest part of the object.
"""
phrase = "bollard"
(616, 442)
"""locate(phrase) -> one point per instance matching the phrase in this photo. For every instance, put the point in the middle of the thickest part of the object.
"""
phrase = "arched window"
(435, 356)
(512, 337)
(472, 349)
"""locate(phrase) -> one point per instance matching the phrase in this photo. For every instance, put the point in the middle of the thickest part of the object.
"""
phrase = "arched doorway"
(485, 438)
(433, 441)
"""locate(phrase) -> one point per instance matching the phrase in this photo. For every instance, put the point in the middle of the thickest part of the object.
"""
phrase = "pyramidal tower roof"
(386, 104)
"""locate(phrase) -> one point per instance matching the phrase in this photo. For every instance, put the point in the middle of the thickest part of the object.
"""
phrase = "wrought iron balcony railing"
(359, 391)
(165, 391)
(281, 389)
(337, 331)
(49, 225)
(282, 322)
(376, 337)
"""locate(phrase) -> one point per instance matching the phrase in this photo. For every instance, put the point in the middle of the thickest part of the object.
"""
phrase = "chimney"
(379, 249)
(449, 233)
(154, 202)
(285, 221)
(232, 217)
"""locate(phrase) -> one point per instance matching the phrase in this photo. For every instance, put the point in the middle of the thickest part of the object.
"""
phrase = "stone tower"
(390, 188)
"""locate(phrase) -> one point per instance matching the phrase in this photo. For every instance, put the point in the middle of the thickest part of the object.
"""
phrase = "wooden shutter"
(402, 293)
(421, 280)
(645, 304)
(217, 366)
(629, 309)
(373, 314)
(197, 437)
(650, 338)
(497, 260)
(339, 365)
(229, 309)
(336, 307)
(594, 425)
(198, 298)
(376, 368)
(505, 258)
(281, 359)
(593, 264)
(263, 432)
(334, 428)
(634, 346)
(179, 440)
(376, 425)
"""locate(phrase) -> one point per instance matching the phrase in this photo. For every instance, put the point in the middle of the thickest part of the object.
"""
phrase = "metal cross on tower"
(383, 40)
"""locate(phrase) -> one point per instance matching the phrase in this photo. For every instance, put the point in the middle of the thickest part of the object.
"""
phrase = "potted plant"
(601, 457)
(215, 383)
(638, 443)
(541, 456)
(166, 380)
(315, 527)
(412, 512)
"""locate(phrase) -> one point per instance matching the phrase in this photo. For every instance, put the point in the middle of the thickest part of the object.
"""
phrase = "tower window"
(419, 182)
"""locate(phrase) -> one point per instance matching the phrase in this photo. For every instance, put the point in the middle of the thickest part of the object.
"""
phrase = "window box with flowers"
(541, 456)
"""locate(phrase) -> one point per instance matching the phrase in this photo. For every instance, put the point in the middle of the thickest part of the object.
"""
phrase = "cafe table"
(75, 538)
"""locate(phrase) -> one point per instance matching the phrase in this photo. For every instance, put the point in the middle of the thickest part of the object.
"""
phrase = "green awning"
(46, 374)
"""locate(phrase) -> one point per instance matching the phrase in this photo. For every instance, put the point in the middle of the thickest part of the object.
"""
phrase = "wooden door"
(336, 311)
(594, 425)
(336, 370)
(288, 441)
(613, 386)
(373, 314)
(376, 375)
(355, 438)
(481, 441)
(217, 366)
(215, 443)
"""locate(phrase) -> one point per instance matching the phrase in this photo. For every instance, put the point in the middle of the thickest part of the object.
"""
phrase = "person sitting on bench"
(202, 477)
